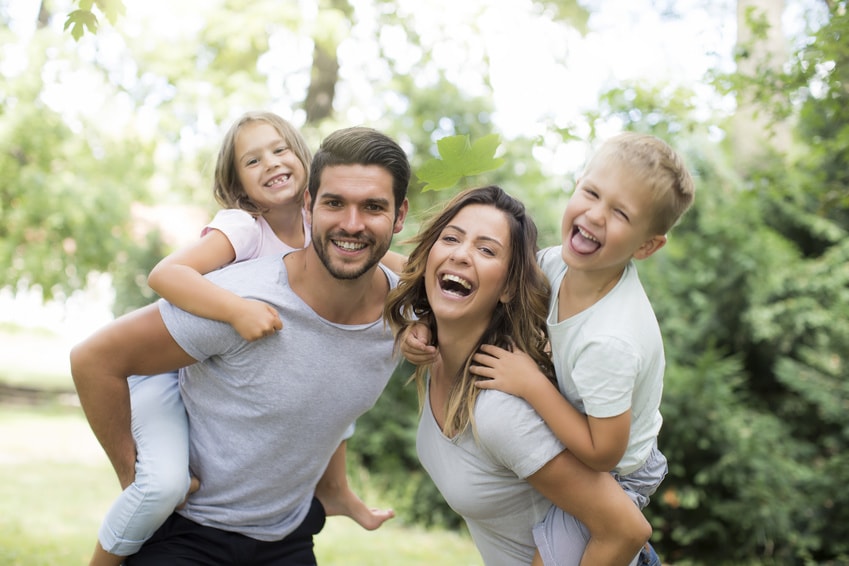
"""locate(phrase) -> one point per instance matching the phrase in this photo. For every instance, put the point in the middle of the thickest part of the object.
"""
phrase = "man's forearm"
(105, 400)
(135, 344)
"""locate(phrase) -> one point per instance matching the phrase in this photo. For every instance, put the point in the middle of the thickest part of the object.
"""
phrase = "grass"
(56, 484)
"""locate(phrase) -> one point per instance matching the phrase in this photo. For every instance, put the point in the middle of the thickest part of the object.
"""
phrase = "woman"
(473, 279)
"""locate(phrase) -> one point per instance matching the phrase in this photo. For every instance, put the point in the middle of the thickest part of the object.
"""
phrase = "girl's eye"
(281, 149)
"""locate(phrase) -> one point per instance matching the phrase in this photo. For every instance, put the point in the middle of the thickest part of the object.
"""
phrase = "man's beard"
(347, 271)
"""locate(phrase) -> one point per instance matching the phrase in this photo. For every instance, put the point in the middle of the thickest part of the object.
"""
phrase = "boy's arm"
(179, 279)
(135, 344)
(415, 345)
(599, 443)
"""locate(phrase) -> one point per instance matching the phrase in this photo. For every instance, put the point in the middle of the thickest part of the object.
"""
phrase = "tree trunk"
(753, 128)
(332, 26)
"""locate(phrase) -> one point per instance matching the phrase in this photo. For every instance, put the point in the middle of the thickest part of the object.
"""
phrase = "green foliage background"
(752, 291)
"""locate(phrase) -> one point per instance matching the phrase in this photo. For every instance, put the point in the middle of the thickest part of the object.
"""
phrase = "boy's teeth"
(586, 234)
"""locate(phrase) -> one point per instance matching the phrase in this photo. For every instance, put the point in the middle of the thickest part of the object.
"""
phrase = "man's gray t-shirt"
(266, 416)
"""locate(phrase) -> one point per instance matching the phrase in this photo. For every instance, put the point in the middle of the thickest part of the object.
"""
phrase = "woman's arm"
(617, 528)
(179, 279)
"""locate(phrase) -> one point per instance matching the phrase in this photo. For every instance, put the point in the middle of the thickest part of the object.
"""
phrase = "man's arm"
(135, 344)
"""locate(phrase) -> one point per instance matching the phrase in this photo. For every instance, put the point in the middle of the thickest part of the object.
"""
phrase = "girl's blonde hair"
(517, 324)
(227, 187)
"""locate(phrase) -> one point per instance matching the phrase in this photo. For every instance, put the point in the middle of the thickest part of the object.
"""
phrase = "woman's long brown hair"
(517, 324)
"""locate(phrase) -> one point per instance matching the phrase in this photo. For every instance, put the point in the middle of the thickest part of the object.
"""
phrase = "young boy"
(605, 340)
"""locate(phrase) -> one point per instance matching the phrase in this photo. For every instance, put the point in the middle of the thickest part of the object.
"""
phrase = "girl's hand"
(415, 345)
(511, 372)
(256, 320)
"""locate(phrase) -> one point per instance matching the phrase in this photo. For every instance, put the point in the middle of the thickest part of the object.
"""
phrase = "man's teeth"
(465, 284)
(349, 246)
(586, 234)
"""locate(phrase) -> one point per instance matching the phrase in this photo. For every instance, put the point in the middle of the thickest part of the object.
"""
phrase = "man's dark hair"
(362, 146)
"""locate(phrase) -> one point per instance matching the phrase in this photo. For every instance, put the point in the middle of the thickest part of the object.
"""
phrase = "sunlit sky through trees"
(541, 71)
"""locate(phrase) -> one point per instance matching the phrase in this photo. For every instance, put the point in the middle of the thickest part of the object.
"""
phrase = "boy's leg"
(594, 500)
(160, 429)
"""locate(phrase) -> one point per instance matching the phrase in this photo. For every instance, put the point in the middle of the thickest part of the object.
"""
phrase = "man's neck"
(343, 301)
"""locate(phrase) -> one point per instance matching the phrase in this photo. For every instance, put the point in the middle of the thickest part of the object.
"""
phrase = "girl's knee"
(167, 488)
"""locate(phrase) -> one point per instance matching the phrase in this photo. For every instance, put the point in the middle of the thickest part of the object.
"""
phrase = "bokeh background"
(111, 112)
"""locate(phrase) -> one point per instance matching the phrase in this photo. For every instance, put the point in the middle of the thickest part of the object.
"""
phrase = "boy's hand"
(514, 372)
(256, 320)
(415, 345)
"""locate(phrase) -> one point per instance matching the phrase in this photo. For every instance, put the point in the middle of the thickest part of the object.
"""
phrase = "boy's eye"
(621, 213)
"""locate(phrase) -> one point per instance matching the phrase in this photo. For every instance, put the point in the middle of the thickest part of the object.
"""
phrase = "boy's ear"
(650, 246)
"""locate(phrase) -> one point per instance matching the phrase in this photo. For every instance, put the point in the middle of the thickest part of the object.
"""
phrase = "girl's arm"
(179, 279)
(598, 443)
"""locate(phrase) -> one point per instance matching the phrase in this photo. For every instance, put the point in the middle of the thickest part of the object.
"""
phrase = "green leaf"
(79, 21)
(112, 9)
(459, 158)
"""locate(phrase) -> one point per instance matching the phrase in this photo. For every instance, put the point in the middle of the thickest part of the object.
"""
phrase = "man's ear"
(650, 246)
(401, 216)
(308, 205)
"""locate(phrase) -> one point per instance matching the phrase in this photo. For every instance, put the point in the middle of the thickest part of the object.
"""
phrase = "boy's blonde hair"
(227, 187)
(659, 167)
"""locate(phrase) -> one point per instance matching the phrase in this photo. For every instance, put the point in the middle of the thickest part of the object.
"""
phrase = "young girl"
(260, 177)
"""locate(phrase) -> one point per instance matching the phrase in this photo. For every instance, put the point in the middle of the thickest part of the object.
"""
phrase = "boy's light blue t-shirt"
(609, 358)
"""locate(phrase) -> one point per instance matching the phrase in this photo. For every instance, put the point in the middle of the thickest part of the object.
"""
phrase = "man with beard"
(266, 416)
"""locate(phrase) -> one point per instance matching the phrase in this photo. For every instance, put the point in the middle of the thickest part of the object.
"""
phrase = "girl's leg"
(160, 429)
